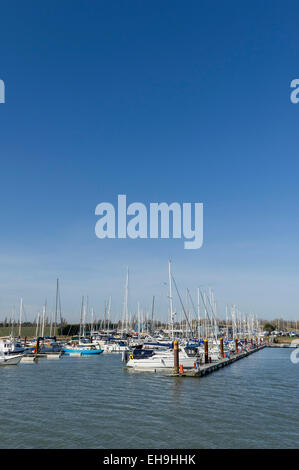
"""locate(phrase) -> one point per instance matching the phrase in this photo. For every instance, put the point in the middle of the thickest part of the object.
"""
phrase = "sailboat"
(85, 347)
(81, 349)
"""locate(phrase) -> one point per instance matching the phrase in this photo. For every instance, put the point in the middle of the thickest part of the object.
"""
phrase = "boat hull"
(83, 352)
(10, 360)
(159, 363)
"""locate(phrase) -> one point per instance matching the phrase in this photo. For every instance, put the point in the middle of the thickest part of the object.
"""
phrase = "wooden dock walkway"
(208, 368)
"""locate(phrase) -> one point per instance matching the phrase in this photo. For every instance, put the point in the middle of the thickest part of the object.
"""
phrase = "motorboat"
(10, 359)
(9, 346)
(152, 360)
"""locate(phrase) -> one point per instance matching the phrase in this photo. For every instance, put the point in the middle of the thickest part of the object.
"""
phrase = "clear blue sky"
(162, 101)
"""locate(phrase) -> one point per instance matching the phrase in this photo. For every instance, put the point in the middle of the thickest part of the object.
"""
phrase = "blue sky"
(162, 101)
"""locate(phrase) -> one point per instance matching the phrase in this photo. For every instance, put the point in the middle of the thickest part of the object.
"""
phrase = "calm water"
(96, 403)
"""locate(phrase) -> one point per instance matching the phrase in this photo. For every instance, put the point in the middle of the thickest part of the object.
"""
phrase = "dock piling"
(175, 357)
(221, 347)
(37, 346)
(206, 351)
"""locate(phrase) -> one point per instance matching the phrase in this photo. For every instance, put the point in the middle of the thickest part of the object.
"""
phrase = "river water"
(94, 402)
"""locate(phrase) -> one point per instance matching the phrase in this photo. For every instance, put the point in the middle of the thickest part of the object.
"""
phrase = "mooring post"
(206, 351)
(37, 346)
(251, 341)
(236, 345)
(221, 347)
(175, 357)
(245, 341)
(25, 340)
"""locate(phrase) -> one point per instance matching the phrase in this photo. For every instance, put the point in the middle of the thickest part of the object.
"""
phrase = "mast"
(198, 311)
(37, 322)
(153, 308)
(81, 316)
(84, 318)
(56, 308)
(92, 320)
(51, 325)
(138, 315)
(226, 322)
(104, 316)
(43, 319)
(127, 300)
(170, 295)
(13, 321)
(187, 312)
(205, 306)
(109, 312)
(86, 314)
(20, 318)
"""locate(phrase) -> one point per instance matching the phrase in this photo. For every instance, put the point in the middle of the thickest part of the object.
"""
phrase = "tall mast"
(153, 308)
(109, 312)
(51, 325)
(127, 300)
(56, 308)
(138, 315)
(86, 313)
(226, 321)
(37, 322)
(84, 318)
(105, 307)
(198, 310)
(92, 320)
(81, 316)
(187, 312)
(205, 306)
(20, 319)
(43, 320)
(170, 295)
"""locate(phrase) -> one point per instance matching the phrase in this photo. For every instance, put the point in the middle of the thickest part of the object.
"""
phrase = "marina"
(250, 404)
(197, 344)
(208, 368)
(149, 233)
(137, 375)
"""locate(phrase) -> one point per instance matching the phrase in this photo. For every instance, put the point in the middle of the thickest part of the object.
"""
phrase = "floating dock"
(31, 357)
(211, 367)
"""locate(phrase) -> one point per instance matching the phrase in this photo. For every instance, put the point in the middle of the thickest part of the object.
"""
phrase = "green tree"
(269, 327)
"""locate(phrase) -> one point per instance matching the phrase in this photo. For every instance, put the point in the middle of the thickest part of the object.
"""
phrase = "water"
(95, 403)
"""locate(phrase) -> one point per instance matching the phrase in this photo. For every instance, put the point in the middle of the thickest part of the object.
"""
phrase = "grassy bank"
(28, 331)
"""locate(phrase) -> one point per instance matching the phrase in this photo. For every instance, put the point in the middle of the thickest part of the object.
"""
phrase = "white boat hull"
(10, 360)
(160, 362)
